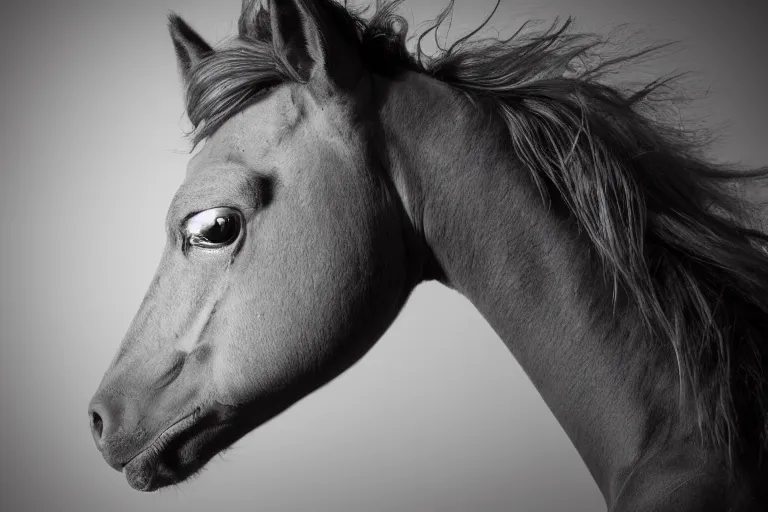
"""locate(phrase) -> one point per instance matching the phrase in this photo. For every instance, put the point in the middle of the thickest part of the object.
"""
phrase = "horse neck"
(529, 273)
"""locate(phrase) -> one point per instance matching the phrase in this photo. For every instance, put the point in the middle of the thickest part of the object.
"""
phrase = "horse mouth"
(154, 467)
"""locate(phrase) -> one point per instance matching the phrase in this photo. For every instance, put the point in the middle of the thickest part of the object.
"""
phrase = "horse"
(337, 170)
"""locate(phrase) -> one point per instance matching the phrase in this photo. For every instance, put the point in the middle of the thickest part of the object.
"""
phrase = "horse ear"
(190, 47)
(305, 38)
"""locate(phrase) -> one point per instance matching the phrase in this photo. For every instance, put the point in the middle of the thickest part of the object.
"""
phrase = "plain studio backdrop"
(437, 417)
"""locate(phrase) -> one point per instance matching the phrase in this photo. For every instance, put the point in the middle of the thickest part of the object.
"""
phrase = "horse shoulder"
(680, 484)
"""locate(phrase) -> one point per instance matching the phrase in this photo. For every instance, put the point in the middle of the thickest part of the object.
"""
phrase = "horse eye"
(213, 229)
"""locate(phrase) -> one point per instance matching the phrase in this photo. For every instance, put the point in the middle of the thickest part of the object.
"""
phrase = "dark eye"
(214, 228)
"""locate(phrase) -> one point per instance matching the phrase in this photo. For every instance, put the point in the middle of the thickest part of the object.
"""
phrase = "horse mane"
(661, 219)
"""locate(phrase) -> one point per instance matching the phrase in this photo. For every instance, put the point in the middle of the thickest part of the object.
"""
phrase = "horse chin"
(172, 460)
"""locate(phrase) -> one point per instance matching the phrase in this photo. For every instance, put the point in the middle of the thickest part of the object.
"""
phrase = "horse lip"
(169, 433)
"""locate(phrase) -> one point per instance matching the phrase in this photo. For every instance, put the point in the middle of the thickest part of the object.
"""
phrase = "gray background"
(437, 417)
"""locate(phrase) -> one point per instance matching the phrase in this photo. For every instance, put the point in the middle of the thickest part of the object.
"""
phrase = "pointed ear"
(190, 47)
(318, 48)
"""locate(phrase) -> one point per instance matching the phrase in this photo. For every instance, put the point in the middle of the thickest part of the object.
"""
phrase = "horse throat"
(531, 275)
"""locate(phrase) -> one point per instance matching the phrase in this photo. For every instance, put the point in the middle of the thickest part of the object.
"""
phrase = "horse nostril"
(101, 420)
(97, 425)
(104, 417)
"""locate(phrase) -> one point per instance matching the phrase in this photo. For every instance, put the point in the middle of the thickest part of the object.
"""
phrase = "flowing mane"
(662, 220)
